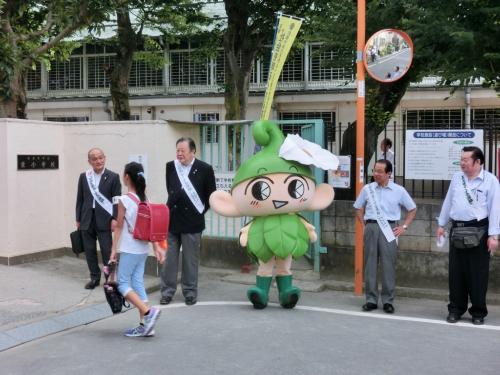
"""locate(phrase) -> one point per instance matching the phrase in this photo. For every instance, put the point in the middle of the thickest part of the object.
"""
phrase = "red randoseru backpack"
(152, 221)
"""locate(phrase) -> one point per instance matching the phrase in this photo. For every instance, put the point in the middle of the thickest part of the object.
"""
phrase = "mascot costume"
(273, 186)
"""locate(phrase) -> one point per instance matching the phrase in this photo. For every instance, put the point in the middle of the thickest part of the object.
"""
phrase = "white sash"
(382, 222)
(189, 188)
(99, 198)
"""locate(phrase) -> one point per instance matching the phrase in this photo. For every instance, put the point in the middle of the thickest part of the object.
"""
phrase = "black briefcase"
(76, 242)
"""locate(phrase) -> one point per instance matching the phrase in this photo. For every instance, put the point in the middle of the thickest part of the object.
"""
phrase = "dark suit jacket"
(184, 217)
(109, 186)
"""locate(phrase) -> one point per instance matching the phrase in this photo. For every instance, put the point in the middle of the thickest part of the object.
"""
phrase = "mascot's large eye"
(296, 189)
(261, 190)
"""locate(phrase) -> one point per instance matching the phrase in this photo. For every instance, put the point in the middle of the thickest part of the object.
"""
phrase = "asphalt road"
(387, 64)
(326, 334)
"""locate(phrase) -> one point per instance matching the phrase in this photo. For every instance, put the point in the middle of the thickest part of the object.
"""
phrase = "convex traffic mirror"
(388, 55)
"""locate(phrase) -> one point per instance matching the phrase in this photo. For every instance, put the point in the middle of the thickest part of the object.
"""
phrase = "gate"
(224, 145)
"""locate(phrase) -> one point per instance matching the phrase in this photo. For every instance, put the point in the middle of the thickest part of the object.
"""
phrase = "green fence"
(226, 145)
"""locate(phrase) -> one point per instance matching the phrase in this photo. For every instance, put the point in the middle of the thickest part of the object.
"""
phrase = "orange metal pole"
(360, 143)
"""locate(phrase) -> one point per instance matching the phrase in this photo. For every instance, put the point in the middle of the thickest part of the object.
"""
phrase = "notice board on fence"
(434, 154)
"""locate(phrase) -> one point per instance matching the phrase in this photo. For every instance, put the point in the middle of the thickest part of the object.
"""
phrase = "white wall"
(3, 187)
(38, 209)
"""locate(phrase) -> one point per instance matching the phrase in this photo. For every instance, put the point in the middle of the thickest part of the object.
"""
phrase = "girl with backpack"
(134, 253)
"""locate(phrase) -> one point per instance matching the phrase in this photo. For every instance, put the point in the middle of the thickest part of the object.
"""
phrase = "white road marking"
(372, 315)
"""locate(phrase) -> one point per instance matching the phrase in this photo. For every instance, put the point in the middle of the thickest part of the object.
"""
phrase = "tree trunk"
(119, 73)
(240, 52)
(231, 98)
(385, 97)
(238, 85)
(14, 104)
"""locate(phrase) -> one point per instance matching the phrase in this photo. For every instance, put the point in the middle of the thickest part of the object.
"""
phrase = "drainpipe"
(467, 108)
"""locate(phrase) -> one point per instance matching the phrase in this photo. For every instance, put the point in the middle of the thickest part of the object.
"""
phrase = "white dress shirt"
(485, 196)
(390, 198)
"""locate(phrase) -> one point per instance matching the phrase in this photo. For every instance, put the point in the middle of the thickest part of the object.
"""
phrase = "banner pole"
(360, 142)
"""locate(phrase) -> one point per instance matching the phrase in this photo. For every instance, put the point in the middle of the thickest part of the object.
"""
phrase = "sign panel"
(341, 178)
(224, 181)
(434, 154)
(30, 162)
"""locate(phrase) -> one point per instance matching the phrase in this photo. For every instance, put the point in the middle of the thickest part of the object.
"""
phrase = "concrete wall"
(38, 206)
(420, 262)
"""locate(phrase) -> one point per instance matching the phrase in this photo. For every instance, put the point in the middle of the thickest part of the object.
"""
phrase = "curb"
(58, 323)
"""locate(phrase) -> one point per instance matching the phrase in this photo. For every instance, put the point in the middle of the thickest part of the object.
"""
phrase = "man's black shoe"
(452, 318)
(369, 306)
(165, 300)
(388, 308)
(478, 321)
(92, 284)
(190, 301)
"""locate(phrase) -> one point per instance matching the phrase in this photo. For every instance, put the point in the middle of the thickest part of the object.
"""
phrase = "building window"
(293, 70)
(330, 65)
(484, 117)
(144, 75)
(135, 117)
(206, 116)
(434, 119)
(66, 75)
(220, 68)
(327, 117)
(66, 118)
(211, 132)
(265, 63)
(186, 69)
(98, 78)
(34, 78)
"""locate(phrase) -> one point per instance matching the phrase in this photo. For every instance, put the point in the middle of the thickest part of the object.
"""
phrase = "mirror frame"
(407, 39)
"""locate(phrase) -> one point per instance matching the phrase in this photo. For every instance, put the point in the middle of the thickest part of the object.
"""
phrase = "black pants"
(468, 276)
(90, 236)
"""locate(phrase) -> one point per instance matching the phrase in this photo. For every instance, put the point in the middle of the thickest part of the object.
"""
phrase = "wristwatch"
(405, 227)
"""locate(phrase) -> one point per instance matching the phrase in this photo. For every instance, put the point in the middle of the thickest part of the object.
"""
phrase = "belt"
(374, 221)
(471, 223)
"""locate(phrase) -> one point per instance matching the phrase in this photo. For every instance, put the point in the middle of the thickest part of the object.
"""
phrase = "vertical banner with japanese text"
(288, 27)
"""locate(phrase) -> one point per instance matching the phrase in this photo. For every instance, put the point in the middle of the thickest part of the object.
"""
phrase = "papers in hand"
(307, 153)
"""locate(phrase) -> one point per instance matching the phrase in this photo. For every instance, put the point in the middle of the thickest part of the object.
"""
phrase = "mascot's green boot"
(289, 295)
(259, 294)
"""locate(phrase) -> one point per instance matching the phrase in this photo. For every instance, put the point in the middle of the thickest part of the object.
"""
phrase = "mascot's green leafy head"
(267, 161)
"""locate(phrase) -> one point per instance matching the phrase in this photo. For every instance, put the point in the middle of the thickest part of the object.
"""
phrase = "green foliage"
(374, 110)
(32, 30)
(152, 53)
(248, 34)
(456, 40)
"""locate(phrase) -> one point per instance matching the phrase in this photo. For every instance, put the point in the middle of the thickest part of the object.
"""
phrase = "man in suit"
(94, 211)
(189, 185)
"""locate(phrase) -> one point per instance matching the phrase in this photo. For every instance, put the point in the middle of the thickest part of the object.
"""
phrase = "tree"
(172, 19)
(32, 31)
(248, 31)
(455, 40)
(465, 35)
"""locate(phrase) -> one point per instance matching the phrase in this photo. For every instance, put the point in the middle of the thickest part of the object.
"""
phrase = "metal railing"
(435, 189)
(188, 89)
